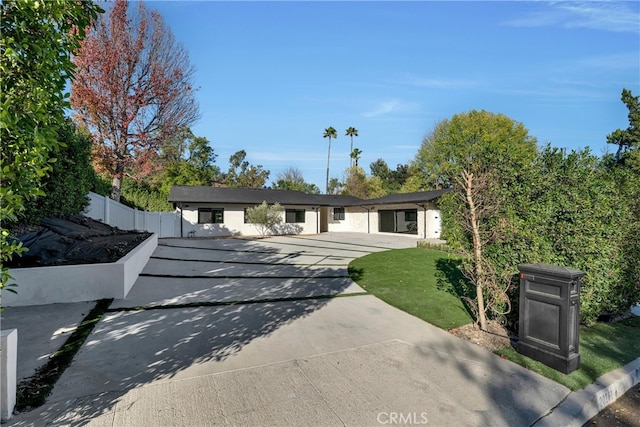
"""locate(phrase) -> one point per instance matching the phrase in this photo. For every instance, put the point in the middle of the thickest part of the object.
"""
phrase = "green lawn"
(423, 282)
(604, 347)
(414, 280)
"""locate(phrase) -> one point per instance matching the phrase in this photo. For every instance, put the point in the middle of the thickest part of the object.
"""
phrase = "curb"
(582, 405)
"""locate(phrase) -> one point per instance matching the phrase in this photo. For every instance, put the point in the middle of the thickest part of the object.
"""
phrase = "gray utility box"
(550, 315)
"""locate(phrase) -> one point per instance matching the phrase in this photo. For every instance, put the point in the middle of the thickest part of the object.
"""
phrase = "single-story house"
(218, 211)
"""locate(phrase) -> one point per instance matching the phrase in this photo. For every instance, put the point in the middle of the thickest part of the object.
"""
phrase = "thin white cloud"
(605, 16)
(383, 108)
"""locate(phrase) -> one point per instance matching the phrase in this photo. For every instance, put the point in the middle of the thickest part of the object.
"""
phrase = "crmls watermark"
(402, 418)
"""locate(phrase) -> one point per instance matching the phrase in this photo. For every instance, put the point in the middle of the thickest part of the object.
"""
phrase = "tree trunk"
(116, 185)
(328, 158)
(477, 248)
(351, 164)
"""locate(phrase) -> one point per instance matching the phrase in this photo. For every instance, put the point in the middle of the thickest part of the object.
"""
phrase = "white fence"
(102, 208)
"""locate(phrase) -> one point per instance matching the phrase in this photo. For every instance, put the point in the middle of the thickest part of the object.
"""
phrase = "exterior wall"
(355, 219)
(234, 224)
(433, 223)
(358, 219)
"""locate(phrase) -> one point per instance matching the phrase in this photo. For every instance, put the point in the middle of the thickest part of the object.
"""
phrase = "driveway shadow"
(133, 346)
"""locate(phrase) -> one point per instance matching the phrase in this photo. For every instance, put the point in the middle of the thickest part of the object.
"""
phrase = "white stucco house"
(216, 211)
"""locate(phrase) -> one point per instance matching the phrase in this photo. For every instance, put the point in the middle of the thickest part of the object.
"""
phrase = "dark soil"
(495, 338)
(73, 239)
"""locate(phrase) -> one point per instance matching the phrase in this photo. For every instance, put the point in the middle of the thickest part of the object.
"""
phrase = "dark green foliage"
(37, 41)
(572, 210)
(565, 210)
(392, 180)
(101, 185)
(242, 174)
(628, 140)
(576, 216)
(70, 179)
(144, 197)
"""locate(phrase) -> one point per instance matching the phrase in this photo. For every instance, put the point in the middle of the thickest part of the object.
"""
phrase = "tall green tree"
(243, 174)
(478, 154)
(292, 179)
(628, 140)
(358, 184)
(351, 132)
(329, 132)
(392, 180)
(185, 159)
(37, 41)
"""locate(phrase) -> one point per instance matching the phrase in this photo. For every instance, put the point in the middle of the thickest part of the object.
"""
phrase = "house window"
(294, 215)
(410, 216)
(338, 214)
(210, 215)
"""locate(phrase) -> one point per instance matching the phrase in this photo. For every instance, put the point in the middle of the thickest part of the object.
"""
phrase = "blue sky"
(273, 75)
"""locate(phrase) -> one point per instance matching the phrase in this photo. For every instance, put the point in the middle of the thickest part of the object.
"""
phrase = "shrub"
(265, 217)
(70, 179)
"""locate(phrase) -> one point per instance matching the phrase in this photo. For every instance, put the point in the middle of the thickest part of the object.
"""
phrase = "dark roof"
(194, 194)
(417, 197)
(338, 200)
(185, 194)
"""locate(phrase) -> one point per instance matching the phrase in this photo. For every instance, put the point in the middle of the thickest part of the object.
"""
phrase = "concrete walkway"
(235, 332)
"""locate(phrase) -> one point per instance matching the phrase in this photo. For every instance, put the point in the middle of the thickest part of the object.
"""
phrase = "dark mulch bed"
(74, 239)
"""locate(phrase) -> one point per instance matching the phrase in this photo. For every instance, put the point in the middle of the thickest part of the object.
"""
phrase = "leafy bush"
(37, 41)
(265, 217)
(577, 217)
(70, 179)
(142, 196)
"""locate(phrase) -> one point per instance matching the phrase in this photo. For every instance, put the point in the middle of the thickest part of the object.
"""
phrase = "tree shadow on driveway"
(139, 344)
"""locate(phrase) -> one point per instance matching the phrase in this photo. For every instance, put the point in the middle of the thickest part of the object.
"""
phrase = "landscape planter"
(77, 283)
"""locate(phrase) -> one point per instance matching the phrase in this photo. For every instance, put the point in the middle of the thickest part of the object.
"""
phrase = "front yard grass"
(423, 282)
(412, 280)
(604, 347)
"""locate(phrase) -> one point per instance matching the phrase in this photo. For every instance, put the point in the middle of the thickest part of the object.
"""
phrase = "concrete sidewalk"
(292, 359)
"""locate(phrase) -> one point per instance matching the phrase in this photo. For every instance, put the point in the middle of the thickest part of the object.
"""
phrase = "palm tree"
(355, 155)
(329, 133)
(352, 132)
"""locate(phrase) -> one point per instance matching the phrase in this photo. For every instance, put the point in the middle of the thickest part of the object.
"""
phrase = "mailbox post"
(550, 315)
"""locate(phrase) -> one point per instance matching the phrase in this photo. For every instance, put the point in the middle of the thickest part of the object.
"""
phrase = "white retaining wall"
(8, 370)
(75, 283)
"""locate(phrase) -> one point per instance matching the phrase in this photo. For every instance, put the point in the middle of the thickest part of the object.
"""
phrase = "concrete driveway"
(245, 332)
